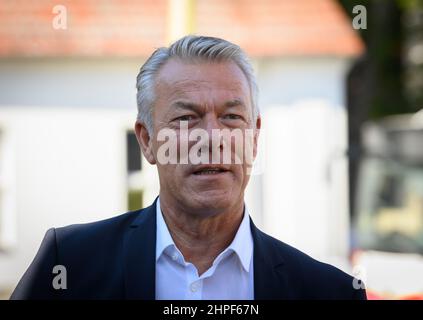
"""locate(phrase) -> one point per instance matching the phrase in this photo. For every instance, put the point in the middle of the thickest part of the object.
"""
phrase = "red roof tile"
(274, 27)
(135, 28)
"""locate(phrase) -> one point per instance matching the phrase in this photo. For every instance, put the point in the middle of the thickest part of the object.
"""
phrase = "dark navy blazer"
(115, 259)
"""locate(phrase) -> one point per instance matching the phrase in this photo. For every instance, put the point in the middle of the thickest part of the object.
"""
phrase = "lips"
(209, 170)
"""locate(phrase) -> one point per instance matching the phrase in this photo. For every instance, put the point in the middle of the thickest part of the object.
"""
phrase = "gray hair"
(190, 48)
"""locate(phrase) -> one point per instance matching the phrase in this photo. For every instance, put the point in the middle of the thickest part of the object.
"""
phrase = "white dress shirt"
(231, 277)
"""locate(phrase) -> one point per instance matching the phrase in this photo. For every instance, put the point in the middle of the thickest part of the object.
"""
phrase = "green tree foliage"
(394, 42)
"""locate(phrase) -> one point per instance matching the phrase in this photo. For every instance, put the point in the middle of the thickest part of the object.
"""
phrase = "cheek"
(241, 145)
(239, 173)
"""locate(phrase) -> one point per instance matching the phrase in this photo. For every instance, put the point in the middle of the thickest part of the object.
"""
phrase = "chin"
(213, 200)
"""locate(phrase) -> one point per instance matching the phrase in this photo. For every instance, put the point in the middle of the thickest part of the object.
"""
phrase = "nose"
(212, 126)
(210, 123)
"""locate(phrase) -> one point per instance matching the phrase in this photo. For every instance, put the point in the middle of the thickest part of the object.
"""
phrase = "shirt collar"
(164, 239)
(242, 244)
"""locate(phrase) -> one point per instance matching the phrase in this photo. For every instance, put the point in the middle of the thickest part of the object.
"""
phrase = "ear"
(256, 135)
(145, 141)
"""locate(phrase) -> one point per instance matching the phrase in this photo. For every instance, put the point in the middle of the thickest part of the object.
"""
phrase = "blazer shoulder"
(36, 281)
(317, 279)
(100, 227)
(78, 243)
(80, 248)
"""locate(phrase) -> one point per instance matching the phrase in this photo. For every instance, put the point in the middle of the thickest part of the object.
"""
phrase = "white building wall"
(304, 187)
(305, 178)
(70, 167)
(69, 82)
(289, 80)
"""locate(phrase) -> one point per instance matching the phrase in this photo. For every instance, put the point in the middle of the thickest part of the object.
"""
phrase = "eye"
(233, 116)
(184, 118)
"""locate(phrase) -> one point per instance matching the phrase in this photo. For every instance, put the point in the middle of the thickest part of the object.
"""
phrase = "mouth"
(209, 170)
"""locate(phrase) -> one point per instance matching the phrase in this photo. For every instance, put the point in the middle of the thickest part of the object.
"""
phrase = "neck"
(201, 238)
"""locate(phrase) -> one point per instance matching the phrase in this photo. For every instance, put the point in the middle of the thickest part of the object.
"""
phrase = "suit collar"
(270, 278)
(140, 252)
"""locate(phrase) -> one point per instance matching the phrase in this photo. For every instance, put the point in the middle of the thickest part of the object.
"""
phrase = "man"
(196, 241)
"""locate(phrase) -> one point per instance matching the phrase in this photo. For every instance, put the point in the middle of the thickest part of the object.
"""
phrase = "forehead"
(202, 80)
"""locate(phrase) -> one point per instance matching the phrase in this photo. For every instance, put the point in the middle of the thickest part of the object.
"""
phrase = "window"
(134, 172)
(134, 162)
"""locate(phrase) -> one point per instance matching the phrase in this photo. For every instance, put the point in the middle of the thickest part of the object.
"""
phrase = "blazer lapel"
(140, 256)
(269, 275)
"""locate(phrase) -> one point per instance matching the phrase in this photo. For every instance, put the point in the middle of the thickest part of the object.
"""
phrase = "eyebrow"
(193, 106)
(234, 103)
(185, 105)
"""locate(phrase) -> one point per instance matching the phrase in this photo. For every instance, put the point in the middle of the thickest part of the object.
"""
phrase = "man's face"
(209, 96)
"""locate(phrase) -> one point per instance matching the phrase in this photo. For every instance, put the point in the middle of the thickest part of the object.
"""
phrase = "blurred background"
(341, 155)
